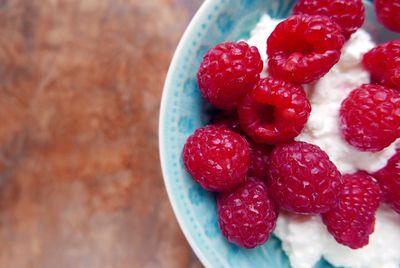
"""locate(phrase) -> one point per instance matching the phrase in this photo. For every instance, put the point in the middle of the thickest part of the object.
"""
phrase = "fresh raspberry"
(259, 163)
(302, 179)
(304, 48)
(229, 120)
(388, 13)
(353, 220)
(348, 14)
(274, 111)
(247, 216)
(383, 63)
(228, 72)
(389, 181)
(370, 117)
(217, 158)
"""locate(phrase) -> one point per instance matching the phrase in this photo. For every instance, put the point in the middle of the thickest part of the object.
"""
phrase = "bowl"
(182, 111)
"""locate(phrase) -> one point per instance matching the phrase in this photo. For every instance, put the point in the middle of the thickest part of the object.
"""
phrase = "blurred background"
(80, 89)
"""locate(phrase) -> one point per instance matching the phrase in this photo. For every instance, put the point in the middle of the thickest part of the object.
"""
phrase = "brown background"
(80, 181)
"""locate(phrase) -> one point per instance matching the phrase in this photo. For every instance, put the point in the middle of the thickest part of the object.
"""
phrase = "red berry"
(353, 220)
(302, 179)
(259, 164)
(383, 63)
(389, 181)
(370, 117)
(217, 158)
(304, 48)
(274, 111)
(227, 72)
(247, 216)
(388, 13)
(348, 14)
(229, 120)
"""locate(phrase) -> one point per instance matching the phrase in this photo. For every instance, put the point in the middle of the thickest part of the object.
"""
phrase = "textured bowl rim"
(206, 5)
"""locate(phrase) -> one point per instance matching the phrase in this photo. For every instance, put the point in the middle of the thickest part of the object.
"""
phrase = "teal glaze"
(182, 112)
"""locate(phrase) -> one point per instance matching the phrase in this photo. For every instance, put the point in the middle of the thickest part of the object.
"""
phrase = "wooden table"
(80, 180)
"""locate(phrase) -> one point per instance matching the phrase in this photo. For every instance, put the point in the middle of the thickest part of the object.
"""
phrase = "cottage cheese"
(304, 238)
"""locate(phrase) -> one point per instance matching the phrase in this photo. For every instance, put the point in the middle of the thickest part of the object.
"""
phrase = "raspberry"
(388, 13)
(247, 216)
(389, 181)
(302, 179)
(353, 220)
(217, 158)
(229, 120)
(370, 117)
(260, 154)
(274, 111)
(227, 72)
(383, 63)
(348, 14)
(304, 48)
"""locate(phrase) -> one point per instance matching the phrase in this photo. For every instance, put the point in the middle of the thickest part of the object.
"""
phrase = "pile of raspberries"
(249, 156)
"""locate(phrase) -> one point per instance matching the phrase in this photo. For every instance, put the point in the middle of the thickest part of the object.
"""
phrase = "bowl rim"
(204, 8)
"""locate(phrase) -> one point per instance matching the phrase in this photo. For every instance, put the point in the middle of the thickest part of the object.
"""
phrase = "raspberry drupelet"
(370, 117)
(217, 158)
(388, 13)
(247, 216)
(302, 179)
(227, 72)
(259, 163)
(389, 181)
(274, 111)
(353, 220)
(304, 48)
(383, 63)
(348, 14)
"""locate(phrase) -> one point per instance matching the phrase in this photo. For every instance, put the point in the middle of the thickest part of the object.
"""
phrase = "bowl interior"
(182, 112)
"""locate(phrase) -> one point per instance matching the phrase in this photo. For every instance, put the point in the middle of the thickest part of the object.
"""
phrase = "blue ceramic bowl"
(182, 112)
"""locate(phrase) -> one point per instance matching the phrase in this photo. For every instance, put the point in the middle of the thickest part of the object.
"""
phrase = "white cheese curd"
(304, 238)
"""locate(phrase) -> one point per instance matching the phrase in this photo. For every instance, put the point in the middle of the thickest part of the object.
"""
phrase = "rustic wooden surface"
(80, 85)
